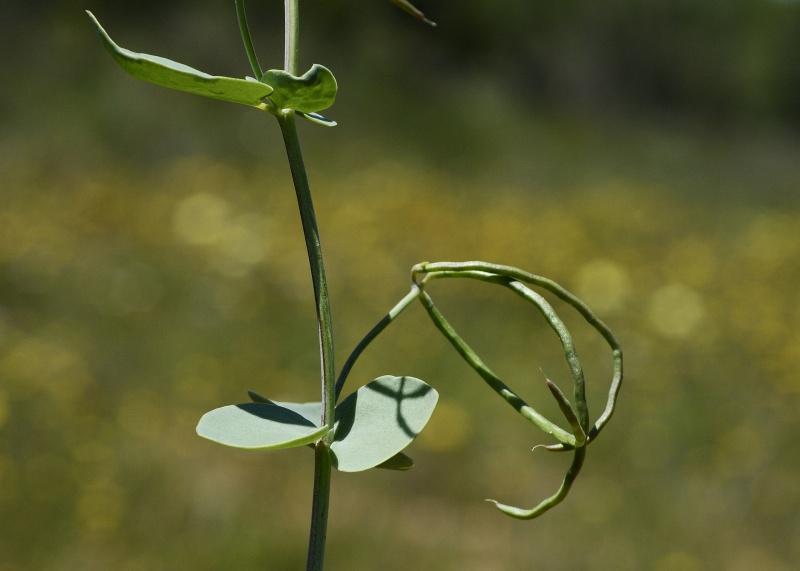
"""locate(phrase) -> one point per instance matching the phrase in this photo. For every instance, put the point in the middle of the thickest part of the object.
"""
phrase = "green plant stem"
(319, 515)
(244, 30)
(512, 278)
(314, 248)
(322, 459)
(319, 510)
(292, 36)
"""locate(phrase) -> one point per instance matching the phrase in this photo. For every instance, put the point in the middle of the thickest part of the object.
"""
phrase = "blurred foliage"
(737, 62)
(152, 266)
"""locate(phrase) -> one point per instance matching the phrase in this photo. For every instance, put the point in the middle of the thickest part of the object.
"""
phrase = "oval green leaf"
(258, 426)
(312, 411)
(174, 75)
(379, 420)
(313, 91)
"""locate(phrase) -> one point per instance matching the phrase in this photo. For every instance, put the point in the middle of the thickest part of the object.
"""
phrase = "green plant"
(372, 426)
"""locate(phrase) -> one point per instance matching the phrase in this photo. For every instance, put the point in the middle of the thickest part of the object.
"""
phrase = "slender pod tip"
(512, 511)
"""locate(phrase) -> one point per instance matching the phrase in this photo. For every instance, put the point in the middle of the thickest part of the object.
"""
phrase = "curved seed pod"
(491, 379)
(515, 279)
(553, 320)
(426, 269)
(548, 503)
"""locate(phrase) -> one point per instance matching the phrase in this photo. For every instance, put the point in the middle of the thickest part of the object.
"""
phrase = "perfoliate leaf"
(313, 91)
(173, 75)
(258, 426)
(379, 420)
(312, 411)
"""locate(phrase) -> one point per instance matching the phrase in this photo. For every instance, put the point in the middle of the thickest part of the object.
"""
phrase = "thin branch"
(247, 40)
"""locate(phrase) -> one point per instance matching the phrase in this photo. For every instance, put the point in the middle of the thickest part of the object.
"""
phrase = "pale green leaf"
(258, 426)
(313, 412)
(313, 91)
(379, 420)
(173, 75)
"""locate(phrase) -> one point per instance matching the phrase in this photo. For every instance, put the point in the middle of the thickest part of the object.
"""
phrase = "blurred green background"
(152, 267)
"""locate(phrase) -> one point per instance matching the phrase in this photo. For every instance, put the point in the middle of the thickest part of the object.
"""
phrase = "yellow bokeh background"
(152, 268)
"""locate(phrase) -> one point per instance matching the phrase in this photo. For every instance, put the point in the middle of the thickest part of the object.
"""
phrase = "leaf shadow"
(399, 396)
(275, 413)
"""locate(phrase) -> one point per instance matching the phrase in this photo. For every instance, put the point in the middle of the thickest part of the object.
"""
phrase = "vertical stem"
(292, 35)
(322, 461)
(319, 510)
(314, 248)
(322, 458)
